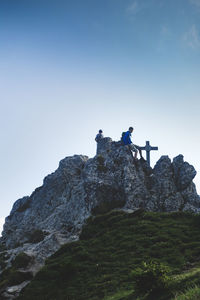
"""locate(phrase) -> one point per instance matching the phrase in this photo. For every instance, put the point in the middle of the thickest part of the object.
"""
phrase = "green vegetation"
(36, 236)
(116, 252)
(100, 159)
(2, 248)
(101, 164)
(151, 279)
(190, 294)
(106, 206)
(3, 258)
(13, 276)
(21, 260)
(108, 198)
(119, 295)
(24, 207)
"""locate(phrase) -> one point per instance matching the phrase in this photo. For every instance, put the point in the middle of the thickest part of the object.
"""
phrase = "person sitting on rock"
(126, 139)
(99, 136)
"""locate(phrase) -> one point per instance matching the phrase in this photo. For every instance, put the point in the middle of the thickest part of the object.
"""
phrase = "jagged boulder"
(55, 212)
(184, 173)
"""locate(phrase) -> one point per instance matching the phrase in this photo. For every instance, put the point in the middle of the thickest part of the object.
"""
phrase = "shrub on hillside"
(12, 276)
(197, 220)
(36, 236)
(101, 164)
(21, 260)
(4, 256)
(151, 279)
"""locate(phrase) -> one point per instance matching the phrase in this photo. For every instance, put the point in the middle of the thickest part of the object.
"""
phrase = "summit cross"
(148, 148)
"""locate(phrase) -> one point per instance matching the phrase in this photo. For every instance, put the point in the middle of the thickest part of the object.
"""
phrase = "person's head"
(100, 131)
(131, 129)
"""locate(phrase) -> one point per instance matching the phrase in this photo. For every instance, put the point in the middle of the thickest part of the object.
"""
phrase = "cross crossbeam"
(148, 148)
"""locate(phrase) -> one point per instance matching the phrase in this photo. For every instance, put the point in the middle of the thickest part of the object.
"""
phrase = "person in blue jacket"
(126, 138)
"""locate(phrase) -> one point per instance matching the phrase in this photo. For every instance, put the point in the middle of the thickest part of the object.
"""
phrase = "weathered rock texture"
(54, 214)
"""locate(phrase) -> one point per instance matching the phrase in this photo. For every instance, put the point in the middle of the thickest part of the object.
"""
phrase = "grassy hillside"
(114, 246)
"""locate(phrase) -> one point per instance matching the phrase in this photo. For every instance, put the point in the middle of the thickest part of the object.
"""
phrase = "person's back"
(99, 136)
(126, 138)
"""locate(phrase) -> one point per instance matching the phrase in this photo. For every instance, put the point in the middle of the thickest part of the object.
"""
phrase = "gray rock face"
(113, 178)
(55, 212)
(103, 145)
(183, 172)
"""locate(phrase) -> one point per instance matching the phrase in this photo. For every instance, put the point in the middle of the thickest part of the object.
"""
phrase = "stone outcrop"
(55, 212)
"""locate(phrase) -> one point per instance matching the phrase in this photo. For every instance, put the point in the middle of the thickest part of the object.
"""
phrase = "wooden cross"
(148, 148)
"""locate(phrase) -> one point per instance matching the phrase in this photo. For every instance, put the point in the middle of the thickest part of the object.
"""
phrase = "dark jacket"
(98, 137)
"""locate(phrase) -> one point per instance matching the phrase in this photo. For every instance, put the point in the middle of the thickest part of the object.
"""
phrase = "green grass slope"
(111, 247)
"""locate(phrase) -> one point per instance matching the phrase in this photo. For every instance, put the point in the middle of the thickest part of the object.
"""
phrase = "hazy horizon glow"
(68, 68)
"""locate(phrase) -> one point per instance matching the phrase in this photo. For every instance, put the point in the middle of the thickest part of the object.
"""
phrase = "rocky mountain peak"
(55, 212)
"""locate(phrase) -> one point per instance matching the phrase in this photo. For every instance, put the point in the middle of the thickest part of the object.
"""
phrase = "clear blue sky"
(68, 68)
